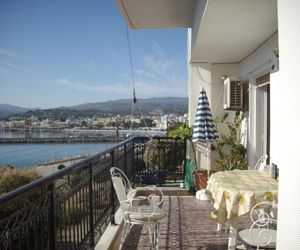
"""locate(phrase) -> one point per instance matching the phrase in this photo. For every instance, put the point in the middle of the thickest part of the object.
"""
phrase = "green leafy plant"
(235, 155)
(160, 154)
(181, 130)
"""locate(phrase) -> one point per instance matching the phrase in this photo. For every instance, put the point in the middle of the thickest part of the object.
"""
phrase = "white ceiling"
(142, 14)
(229, 29)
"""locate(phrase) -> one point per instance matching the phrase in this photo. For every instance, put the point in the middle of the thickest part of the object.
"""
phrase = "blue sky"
(63, 52)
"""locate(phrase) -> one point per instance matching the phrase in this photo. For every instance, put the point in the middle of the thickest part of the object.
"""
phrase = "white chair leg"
(219, 227)
(157, 235)
(154, 234)
(126, 230)
(151, 236)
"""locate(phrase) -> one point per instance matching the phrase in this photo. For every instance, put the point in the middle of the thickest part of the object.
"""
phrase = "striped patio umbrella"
(204, 127)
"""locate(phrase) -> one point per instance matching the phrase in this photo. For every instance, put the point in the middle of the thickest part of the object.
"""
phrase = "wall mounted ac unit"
(233, 93)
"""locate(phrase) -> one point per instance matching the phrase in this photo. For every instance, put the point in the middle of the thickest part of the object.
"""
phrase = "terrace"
(187, 226)
(72, 208)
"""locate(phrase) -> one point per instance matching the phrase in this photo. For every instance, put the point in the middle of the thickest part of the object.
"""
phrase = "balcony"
(72, 208)
(187, 226)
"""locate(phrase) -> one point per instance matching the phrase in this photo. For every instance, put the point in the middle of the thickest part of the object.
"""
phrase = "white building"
(241, 38)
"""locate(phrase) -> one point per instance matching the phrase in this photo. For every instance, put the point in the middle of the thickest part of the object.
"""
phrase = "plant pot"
(201, 178)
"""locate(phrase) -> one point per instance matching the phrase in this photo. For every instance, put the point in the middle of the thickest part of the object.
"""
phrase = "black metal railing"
(71, 208)
(159, 160)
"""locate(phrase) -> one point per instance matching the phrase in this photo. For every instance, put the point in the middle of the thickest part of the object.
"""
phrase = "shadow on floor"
(187, 226)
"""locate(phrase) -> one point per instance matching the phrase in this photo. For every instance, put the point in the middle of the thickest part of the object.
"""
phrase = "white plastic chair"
(262, 233)
(261, 163)
(139, 210)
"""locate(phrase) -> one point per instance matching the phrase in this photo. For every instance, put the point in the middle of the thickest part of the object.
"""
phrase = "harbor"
(82, 139)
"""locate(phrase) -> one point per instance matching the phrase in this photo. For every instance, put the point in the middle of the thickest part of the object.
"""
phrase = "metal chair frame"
(139, 210)
(261, 233)
(261, 163)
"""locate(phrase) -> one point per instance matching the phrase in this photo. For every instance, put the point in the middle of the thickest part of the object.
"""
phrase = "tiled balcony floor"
(187, 226)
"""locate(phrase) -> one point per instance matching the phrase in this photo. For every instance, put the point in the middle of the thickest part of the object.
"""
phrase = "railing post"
(125, 159)
(184, 159)
(51, 218)
(132, 159)
(112, 192)
(91, 215)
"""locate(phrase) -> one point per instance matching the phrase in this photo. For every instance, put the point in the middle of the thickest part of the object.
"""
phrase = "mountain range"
(149, 106)
(8, 110)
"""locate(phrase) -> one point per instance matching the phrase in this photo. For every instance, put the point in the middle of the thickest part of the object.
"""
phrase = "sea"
(26, 155)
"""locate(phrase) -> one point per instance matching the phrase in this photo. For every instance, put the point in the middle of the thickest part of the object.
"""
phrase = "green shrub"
(12, 178)
(61, 166)
(161, 154)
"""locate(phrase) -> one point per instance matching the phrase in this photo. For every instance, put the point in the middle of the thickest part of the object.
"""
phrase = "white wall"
(287, 114)
(257, 64)
(199, 76)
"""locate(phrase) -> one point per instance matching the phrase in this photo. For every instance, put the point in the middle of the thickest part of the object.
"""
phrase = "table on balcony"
(235, 192)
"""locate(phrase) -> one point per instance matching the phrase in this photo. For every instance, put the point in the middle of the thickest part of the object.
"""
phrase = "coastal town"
(159, 123)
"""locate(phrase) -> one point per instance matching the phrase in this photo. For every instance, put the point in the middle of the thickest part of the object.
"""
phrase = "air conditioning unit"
(233, 93)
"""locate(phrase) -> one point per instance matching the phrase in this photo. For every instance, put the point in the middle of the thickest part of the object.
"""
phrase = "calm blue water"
(52, 133)
(24, 155)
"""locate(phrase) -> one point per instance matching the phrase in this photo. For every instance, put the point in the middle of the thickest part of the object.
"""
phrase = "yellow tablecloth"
(235, 192)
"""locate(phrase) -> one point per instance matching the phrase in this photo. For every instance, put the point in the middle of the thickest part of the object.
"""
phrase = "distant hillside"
(166, 104)
(159, 105)
(8, 110)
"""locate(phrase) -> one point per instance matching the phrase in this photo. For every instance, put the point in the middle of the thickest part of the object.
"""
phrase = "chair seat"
(151, 217)
(255, 240)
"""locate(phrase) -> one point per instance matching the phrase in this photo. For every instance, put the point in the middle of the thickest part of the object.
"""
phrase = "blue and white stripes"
(204, 127)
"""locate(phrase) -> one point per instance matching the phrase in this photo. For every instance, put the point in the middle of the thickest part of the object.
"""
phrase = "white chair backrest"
(119, 188)
(261, 163)
(121, 183)
(262, 217)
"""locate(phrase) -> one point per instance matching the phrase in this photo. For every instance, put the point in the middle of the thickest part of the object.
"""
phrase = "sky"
(63, 53)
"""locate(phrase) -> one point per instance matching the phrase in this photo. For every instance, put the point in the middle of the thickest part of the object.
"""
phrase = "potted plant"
(201, 177)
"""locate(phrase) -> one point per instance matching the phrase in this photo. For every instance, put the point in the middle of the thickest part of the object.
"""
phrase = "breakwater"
(87, 139)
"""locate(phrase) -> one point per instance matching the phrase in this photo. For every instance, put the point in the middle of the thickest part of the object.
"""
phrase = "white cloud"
(123, 90)
(145, 89)
(157, 77)
(10, 53)
(158, 66)
(103, 88)
(14, 66)
(65, 81)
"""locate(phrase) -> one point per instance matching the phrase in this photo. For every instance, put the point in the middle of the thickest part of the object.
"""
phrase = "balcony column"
(287, 113)
(199, 76)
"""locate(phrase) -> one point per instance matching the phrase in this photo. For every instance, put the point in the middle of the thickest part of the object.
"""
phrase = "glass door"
(263, 115)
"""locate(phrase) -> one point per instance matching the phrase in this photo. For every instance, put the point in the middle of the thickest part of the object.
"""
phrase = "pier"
(87, 139)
